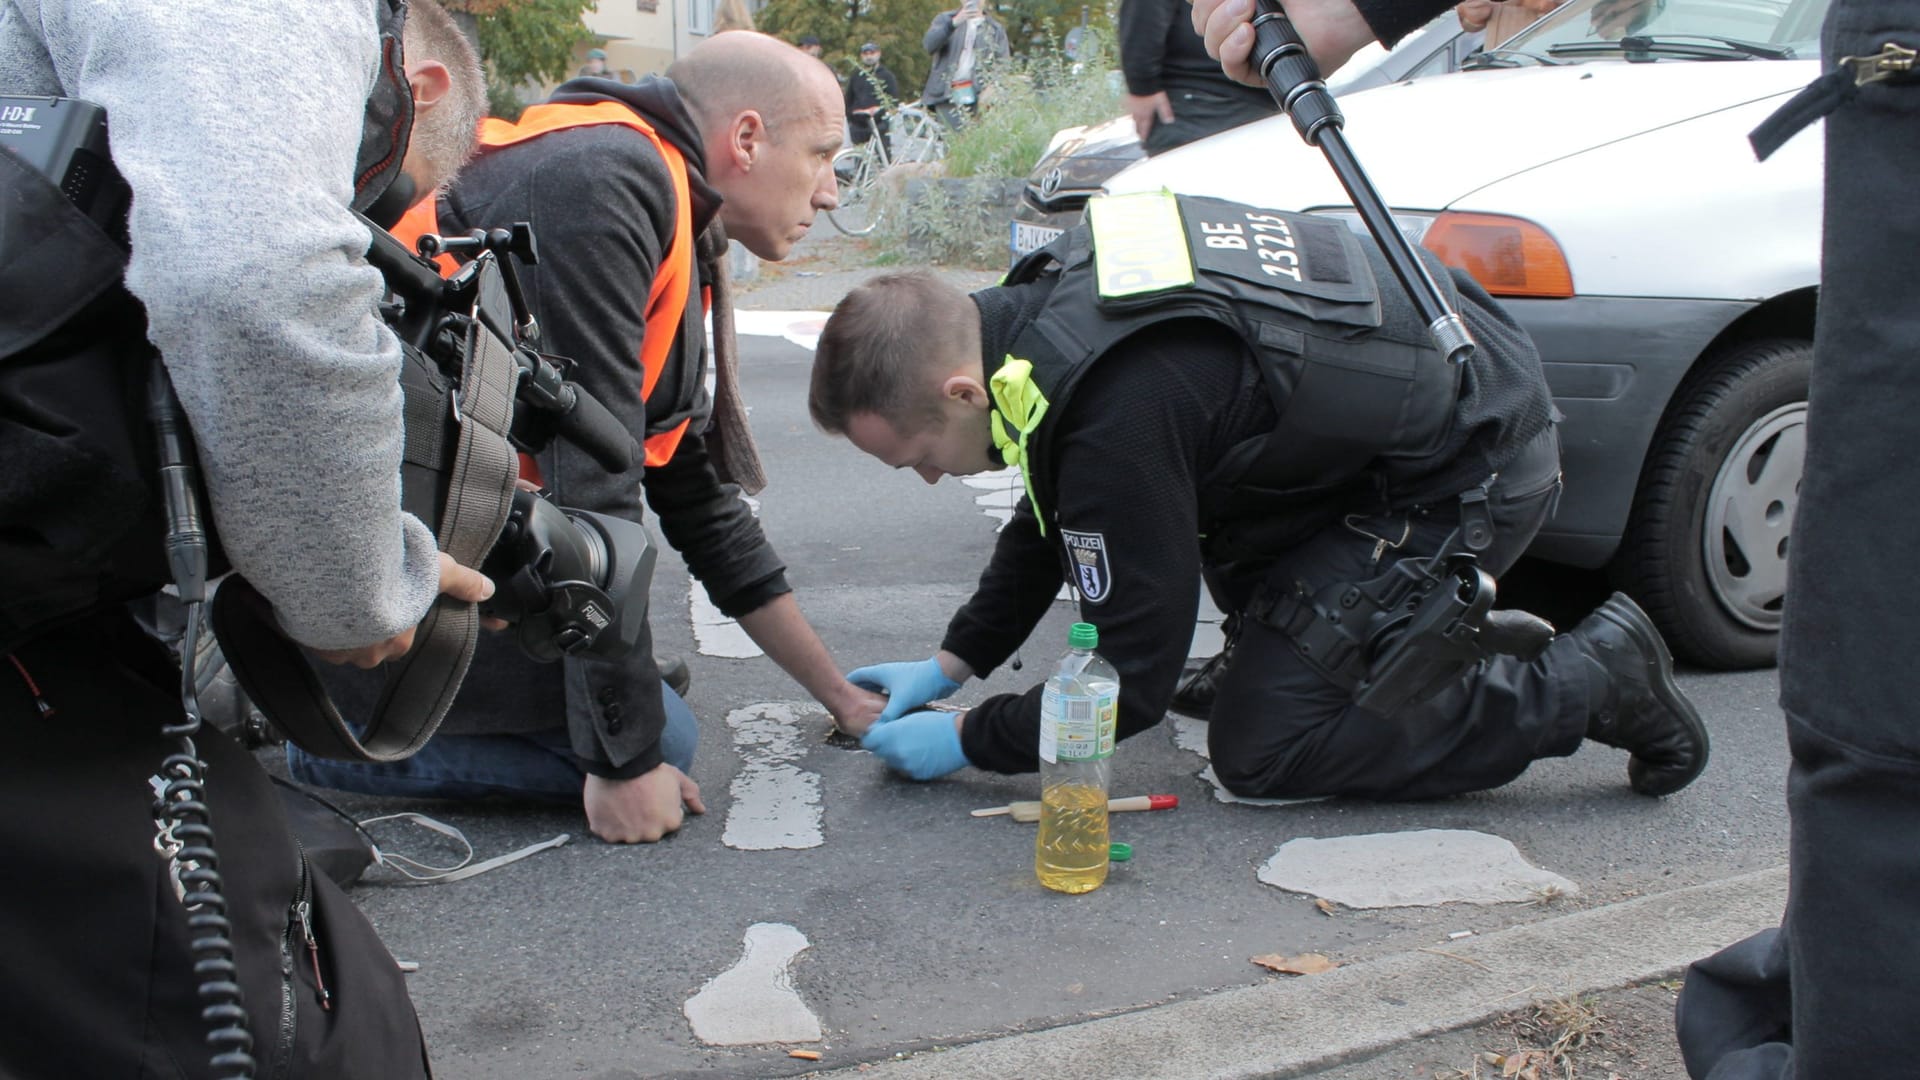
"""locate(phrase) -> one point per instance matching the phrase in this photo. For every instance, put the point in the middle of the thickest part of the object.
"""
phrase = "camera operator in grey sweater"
(249, 266)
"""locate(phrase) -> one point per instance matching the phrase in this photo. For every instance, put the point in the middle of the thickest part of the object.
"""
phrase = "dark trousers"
(98, 978)
(1851, 939)
(1199, 113)
(1281, 729)
(864, 126)
(955, 116)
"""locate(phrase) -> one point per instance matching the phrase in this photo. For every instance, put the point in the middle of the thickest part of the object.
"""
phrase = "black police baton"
(1294, 81)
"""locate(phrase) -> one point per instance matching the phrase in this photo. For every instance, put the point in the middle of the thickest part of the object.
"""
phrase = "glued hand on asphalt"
(907, 684)
(920, 746)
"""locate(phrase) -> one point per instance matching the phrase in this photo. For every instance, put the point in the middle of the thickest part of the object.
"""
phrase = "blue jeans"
(536, 765)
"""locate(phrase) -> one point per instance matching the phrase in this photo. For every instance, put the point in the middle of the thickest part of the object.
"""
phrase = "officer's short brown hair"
(880, 348)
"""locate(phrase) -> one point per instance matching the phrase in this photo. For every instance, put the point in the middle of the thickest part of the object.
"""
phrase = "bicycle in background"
(917, 137)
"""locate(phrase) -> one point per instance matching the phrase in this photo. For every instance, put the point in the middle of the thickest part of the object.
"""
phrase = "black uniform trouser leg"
(1852, 630)
(1281, 729)
(98, 975)
(1198, 114)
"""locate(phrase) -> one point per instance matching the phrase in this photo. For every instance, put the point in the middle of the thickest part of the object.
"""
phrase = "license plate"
(1029, 238)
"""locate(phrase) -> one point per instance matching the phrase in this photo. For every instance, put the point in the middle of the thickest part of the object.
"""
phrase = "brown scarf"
(729, 439)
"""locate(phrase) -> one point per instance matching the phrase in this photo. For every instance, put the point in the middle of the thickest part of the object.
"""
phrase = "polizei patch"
(1092, 574)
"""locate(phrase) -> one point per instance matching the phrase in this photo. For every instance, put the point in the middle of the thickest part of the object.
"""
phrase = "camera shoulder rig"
(460, 471)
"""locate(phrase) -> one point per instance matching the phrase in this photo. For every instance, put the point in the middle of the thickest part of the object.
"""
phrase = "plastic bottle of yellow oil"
(1077, 719)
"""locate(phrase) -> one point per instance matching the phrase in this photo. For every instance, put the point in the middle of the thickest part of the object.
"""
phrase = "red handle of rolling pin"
(1144, 802)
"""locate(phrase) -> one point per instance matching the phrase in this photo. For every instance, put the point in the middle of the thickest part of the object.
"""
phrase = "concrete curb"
(1295, 1026)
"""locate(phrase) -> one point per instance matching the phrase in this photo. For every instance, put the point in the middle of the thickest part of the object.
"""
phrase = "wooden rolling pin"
(1030, 811)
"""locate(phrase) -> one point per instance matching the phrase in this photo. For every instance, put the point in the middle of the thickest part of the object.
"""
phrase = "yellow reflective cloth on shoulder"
(1018, 403)
(1139, 244)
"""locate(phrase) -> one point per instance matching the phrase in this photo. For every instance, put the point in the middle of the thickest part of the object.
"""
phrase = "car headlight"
(1508, 256)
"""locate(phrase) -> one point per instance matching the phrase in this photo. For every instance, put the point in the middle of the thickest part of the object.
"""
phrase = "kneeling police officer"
(1190, 385)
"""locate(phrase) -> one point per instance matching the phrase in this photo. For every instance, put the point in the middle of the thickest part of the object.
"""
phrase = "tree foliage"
(1037, 25)
(899, 26)
(525, 41)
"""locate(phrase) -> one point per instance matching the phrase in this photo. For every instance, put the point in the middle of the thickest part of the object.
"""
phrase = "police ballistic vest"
(1353, 376)
(81, 520)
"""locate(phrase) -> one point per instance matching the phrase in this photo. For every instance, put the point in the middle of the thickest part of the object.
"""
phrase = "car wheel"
(1705, 550)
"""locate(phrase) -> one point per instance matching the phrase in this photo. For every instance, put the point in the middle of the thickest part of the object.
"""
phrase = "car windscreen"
(1676, 30)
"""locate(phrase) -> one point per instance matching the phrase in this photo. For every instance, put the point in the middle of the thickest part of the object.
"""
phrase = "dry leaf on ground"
(1526, 1064)
(1304, 964)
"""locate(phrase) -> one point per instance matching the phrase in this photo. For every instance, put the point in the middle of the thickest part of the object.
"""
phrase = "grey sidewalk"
(1298, 1026)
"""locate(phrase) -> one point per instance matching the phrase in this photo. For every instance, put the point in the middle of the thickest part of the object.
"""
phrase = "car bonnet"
(1430, 142)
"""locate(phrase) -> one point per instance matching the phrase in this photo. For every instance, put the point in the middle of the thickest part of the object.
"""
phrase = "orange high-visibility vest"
(672, 280)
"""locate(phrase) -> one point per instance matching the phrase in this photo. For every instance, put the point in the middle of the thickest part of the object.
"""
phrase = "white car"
(1079, 160)
(1603, 188)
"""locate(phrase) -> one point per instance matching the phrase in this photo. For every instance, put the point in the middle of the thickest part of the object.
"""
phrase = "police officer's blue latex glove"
(907, 684)
(921, 745)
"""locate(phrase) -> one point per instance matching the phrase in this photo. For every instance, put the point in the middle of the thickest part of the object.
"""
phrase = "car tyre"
(1706, 543)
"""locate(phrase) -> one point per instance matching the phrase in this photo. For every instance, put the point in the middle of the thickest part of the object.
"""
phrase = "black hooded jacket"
(603, 211)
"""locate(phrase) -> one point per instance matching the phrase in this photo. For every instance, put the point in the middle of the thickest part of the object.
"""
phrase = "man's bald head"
(730, 73)
(770, 120)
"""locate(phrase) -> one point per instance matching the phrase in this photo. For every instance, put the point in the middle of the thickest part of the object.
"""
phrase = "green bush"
(963, 220)
(1027, 104)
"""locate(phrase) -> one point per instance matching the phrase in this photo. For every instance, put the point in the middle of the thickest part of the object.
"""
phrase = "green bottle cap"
(1119, 852)
(1084, 635)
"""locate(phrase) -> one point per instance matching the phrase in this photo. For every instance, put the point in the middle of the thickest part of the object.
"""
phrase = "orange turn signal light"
(1508, 256)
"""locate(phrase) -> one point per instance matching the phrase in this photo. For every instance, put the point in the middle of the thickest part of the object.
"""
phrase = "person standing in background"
(963, 43)
(870, 92)
(1176, 93)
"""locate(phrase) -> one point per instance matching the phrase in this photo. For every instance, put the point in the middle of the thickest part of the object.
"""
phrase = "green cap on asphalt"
(1119, 852)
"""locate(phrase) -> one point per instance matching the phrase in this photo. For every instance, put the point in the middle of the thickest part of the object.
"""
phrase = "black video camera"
(573, 582)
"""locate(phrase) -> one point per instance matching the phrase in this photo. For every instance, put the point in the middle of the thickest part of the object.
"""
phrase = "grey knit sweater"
(236, 123)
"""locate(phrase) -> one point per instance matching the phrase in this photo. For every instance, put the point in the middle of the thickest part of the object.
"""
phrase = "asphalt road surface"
(820, 890)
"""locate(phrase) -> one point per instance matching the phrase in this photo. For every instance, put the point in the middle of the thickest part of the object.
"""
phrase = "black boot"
(673, 672)
(1193, 695)
(1637, 705)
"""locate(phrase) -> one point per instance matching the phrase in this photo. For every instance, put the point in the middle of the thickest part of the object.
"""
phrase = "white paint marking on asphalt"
(776, 804)
(1191, 735)
(800, 327)
(753, 1002)
(1207, 637)
(1001, 490)
(713, 633)
(1422, 868)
